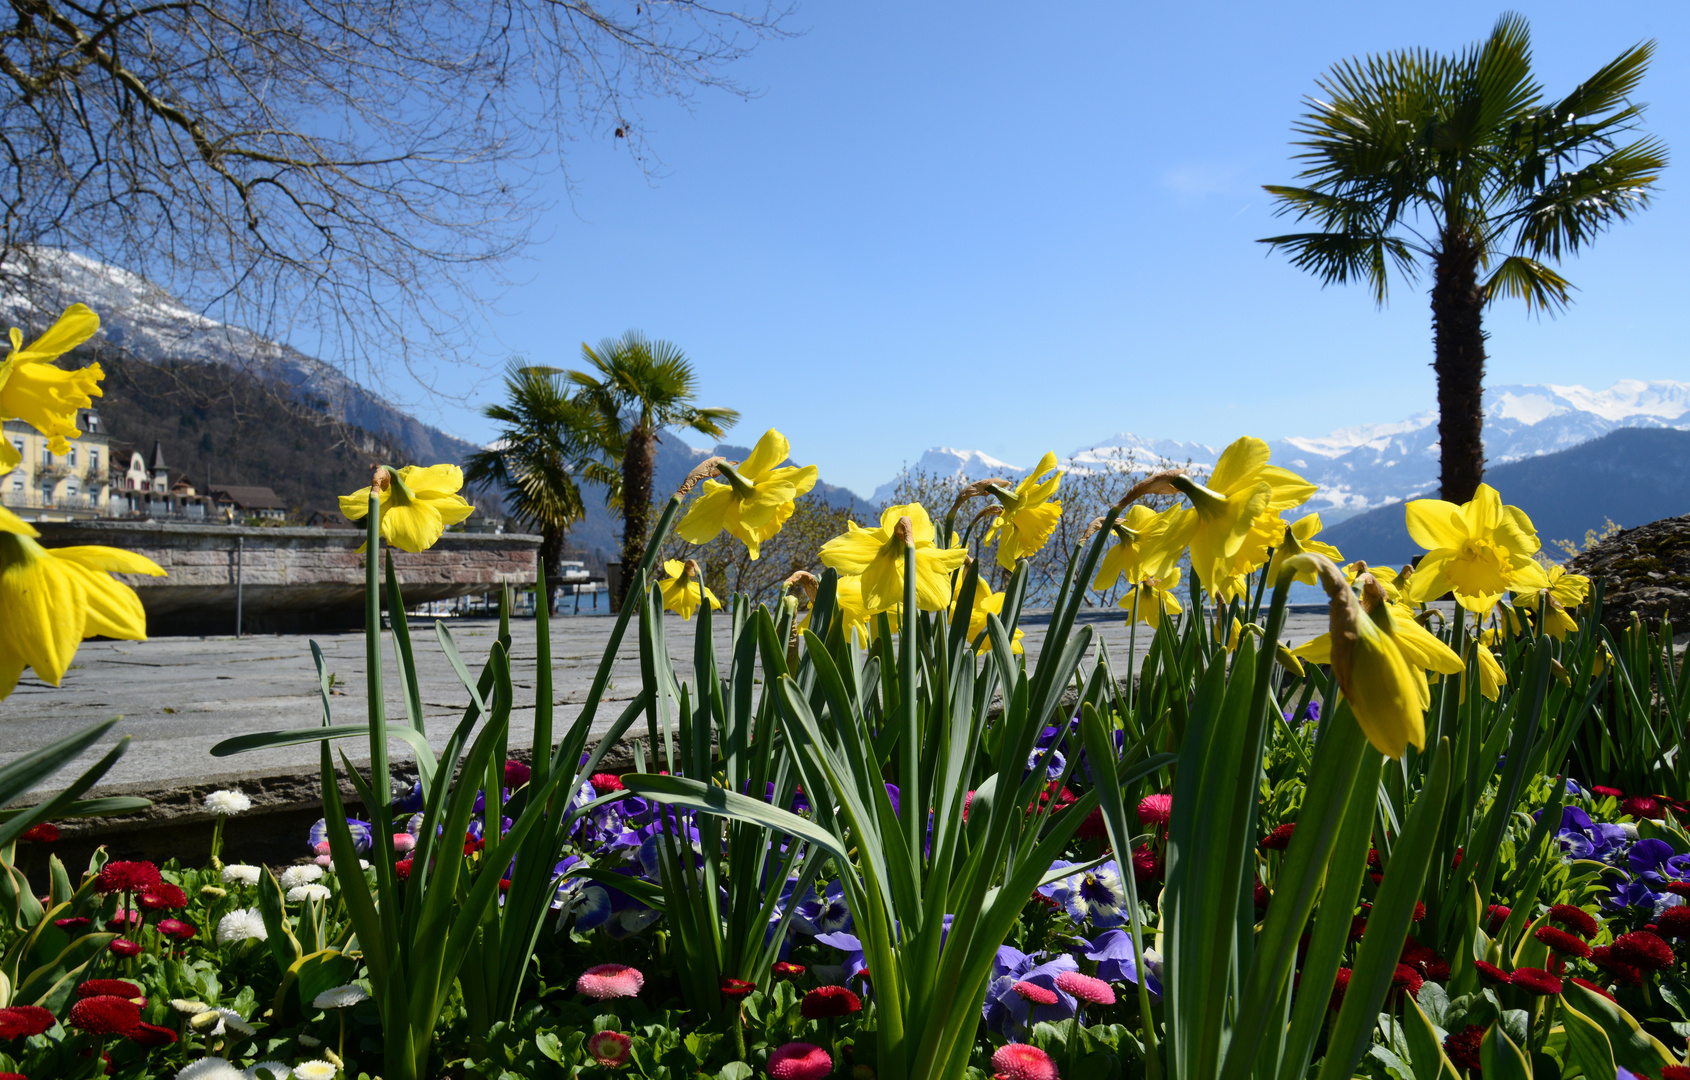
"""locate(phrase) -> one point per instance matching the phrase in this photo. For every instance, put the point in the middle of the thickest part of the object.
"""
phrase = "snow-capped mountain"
(1362, 467)
(150, 324)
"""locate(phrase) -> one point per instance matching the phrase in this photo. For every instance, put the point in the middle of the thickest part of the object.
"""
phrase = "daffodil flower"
(1151, 598)
(1028, 517)
(1564, 591)
(1151, 544)
(53, 598)
(1478, 550)
(986, 602)
(1492, 677)
(1242, 489)
(35, 390)
(754, 502)
(683, 593)
(416, 504)
(1300, 537)
(877, 555)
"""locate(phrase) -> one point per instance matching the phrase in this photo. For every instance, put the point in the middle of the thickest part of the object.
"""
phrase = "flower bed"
(871, 838)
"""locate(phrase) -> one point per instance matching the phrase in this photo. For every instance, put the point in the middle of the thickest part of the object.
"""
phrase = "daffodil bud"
(904, 531)
(1383, 692)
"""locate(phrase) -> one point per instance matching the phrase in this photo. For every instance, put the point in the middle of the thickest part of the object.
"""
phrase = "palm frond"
(1574, 207)
(1518, 277)
(1339, 258)
(1610, 87)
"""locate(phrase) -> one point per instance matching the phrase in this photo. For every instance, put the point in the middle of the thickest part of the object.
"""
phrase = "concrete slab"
(179, 696)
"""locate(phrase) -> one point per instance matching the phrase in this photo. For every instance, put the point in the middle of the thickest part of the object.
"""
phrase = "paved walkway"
(180, 696)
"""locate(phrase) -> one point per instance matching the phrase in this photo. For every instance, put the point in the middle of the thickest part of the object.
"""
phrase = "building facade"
(58, 487)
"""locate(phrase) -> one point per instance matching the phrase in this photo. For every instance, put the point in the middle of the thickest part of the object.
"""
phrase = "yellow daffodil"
(1028, 517)
(416, 504)
(682, 590)
(1150, 545)
(1423, 651)
(1492, 677)
(1384, 692)
(1151, 598)
(1242, 489)
(53, 598)
(35, 390)
(877, 555)
(1300, 537)
(986, 602)
(1388, 579)
(1233, 635)
(1478, 550)
(1231, 575)
(754, 502)
(1563, 592)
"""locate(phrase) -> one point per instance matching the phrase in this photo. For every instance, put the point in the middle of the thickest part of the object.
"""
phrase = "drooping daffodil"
(1492, 677)
(877, 555)
(1150, 546)
(1384, 692)
(1244, 495)
(53, 598)
(1029, 516)
(1478, 550)
(683, 591)
(40, 393)
(1151, 598)
(752, 500)
(1423, 651)
(416, 504)
(985, 602)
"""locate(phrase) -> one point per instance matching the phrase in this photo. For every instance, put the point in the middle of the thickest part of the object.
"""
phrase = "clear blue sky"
(1015, 227)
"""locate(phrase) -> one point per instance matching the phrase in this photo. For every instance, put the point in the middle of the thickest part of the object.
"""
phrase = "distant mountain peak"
(1370, 465)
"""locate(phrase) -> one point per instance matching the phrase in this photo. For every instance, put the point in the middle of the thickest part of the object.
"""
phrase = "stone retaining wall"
(289, 579)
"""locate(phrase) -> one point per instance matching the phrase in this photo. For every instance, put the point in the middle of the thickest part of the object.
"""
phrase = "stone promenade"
(179, 696)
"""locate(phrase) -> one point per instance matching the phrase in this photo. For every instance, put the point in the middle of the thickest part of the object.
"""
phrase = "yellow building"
(58, 487)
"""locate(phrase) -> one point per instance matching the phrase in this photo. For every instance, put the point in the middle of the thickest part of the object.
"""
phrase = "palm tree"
(549, 441)
(637, 388)
(1459, 163)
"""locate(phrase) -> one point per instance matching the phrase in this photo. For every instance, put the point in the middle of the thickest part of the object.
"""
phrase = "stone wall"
(288, 579)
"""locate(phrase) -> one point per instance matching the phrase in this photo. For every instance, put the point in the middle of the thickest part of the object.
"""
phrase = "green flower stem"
(217, 843)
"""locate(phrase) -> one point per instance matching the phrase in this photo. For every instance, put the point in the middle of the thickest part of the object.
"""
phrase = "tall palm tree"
(1459, 163)
(637, 387)
(548, 443)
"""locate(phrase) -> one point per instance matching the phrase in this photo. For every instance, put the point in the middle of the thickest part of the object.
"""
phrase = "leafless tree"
(346, 173)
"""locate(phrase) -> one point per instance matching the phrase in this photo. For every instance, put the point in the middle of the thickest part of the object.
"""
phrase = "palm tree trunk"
(551, 558)
(1458, 338)
(638, 464)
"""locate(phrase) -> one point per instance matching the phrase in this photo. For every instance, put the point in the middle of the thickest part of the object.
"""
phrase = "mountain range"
(1359, 469)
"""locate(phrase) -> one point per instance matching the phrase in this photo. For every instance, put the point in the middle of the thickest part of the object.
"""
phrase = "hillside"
(1631, 476)
(211, 419)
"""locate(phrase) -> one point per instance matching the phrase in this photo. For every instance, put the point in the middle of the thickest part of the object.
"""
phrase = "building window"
(70, 487)
(17, 482)
(17, 444)
(94, 462)
(72, 459)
